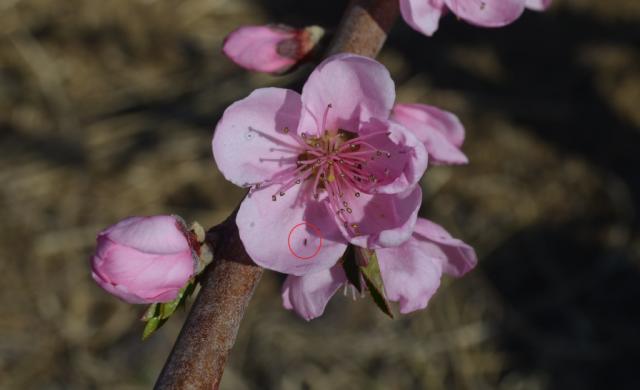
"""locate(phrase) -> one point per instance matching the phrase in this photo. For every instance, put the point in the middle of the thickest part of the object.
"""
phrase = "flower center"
(335, 162)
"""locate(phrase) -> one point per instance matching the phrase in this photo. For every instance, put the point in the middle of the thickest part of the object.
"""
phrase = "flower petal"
(538, 5)
(382, 220)
(422, 15)
(357, 88)
(140, 277)
(308, 295)
(250, 144)
(440, 131)
(405, 162)
(410, 275)
(487, 13)
(284, 235)
(458, 257)
(159, 234)
(256, 48)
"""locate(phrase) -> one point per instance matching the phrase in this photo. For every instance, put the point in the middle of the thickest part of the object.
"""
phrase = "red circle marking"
(318, 234)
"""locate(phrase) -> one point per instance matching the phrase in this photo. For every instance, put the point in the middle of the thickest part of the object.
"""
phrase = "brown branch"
(198, 358)
(364, 27)
(199, 355)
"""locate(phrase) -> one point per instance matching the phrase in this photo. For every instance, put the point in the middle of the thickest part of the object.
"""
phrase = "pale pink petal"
(381, 220)
(357, 88)
(249, 143)
(422, 15)
(487, 13)
(265, 227)
(308, 295)
(410, 275)
(538, 5)
(158, 234)
(458, 257)
(439, 130)
(402, 161)
(146, 276)
(118, 290)
(256, 48)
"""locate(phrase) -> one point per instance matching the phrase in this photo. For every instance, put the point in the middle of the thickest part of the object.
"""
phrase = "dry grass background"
(107, 110)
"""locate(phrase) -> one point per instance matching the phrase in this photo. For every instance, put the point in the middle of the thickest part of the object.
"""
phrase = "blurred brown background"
(107, 110)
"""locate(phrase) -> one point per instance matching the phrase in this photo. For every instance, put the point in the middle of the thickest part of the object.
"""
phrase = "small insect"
(305, 242)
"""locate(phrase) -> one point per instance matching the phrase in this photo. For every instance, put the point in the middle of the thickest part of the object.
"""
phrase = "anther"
(349, 210)
(285, 130)
(281, 193)
(357, 194)
(273, 198)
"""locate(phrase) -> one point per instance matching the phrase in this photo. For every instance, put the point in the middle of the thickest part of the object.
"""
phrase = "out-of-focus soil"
(107, 109)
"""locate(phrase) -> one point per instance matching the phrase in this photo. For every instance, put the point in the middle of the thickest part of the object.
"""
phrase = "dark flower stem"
(200, 353)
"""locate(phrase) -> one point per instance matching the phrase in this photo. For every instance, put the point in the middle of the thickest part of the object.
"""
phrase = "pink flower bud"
(144, 259)
(271, 48)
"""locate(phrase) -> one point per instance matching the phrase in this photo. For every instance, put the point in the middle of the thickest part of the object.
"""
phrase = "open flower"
(144, 259)
(424, 15)
(411, 273)
(330, 159)
(270, 48)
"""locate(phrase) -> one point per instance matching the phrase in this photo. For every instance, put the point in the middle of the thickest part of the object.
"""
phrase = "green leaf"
(351, 269)
(152, 325)
(158, 313)
(373, 280)
(151, 312)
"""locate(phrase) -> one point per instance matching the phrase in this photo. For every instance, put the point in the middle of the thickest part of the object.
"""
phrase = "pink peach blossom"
(330, 157)
(440, 131)
(424, 15)
(411, 273)
(270, 48)
(144, 259)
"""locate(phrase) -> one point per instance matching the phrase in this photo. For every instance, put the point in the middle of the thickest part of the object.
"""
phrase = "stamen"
(315, 119)
(324, 117)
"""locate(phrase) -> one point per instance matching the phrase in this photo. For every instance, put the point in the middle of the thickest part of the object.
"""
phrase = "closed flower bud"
(144, 259)
(271, 48)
